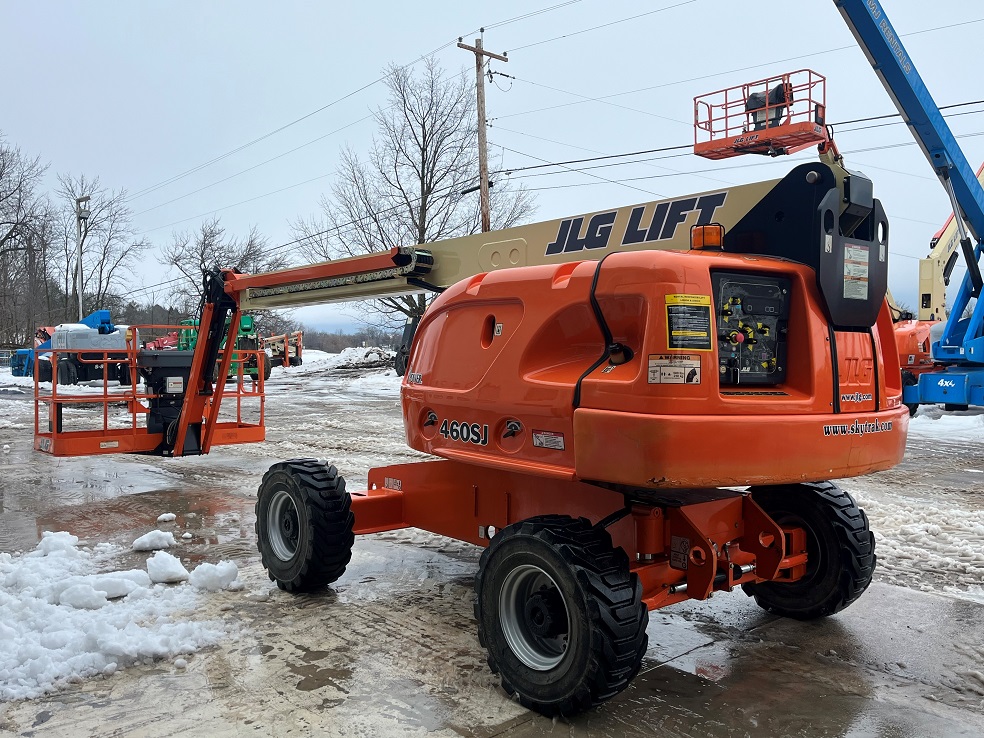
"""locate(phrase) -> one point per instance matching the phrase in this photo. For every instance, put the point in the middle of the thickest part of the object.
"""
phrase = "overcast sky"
(137, 93)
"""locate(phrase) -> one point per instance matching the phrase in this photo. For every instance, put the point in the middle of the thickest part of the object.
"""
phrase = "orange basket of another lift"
(114, 415)
(772, 116)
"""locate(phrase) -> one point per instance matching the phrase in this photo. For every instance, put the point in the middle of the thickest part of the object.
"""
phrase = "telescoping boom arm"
(961, 342)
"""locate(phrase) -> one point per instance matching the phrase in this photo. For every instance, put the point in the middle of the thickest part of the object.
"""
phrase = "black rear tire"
(560, 614)
(304, 524)
(266, 364)
(67, 373)
(123, 372)
(909, 380)
(840, 547)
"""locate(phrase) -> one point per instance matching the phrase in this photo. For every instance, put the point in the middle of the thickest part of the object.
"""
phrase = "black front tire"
(266, 364)
(123, 372)
(840, 550)
(401, 360)
(44, 370)
(560, 614)
(304, 524)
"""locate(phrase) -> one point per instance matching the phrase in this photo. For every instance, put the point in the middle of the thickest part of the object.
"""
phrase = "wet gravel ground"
(391, 648)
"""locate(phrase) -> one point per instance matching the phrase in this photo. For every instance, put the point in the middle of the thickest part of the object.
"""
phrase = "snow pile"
(164, 568)
(366, 357)
(932, 421)
(213, 577)
(154, 540)
(166, 518)
(61, 620)
(9, 380)
(350, 358)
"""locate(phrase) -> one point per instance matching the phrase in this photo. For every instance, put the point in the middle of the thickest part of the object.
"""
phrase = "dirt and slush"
(391, 650)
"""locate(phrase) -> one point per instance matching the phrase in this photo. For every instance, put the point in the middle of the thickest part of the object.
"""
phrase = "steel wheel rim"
(283, 525)
(538, 652)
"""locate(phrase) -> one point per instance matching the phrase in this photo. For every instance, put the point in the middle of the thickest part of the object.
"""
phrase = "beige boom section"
(659, 224)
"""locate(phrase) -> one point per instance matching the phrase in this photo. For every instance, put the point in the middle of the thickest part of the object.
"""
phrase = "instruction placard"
(688, 322)
(855, 272)
(674, 369)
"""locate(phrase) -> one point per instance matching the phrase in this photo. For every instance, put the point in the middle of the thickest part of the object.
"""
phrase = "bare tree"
(409, 190)
(20, 203)
(194, 254)
(110, 245)
(25, 220)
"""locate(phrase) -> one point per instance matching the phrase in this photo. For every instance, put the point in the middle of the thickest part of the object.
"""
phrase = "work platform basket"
(772, 116)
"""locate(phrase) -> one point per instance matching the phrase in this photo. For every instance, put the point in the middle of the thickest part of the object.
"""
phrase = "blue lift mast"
(961, 346)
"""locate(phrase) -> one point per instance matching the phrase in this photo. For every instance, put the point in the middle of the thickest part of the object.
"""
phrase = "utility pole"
(483, 156)
(82, 219)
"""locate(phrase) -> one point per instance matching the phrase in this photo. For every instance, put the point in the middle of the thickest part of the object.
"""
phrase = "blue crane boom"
(961, 346)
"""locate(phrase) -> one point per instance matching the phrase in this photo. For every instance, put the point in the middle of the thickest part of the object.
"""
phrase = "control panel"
(751, 318)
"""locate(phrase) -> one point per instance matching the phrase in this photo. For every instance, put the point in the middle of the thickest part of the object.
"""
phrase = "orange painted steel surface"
(498, 358)
(695, 538)
(914, 342)
(236, 283)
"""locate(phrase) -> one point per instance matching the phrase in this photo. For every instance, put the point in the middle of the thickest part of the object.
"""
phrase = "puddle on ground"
(220, 524)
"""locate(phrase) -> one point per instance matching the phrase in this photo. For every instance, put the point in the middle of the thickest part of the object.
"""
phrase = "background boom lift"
(959, 382)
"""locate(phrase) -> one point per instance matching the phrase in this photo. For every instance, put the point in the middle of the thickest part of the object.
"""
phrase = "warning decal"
(674, 369)
(855, 272)
(688, 322)
(548, 439)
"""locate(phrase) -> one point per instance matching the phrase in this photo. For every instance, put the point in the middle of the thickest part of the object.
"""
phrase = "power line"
(210, 162)
(604, 98)
(255, 166)
(603, 25)
(689, 146)
(188, 172)
(530, 14)
(493, 25)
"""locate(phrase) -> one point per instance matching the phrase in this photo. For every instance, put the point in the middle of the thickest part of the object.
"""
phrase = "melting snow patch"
(154, 540)
(213, 577)
(165, 568)
(166, 518)
(61, 620)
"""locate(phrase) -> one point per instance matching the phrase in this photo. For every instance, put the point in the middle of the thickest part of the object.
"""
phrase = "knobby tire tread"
(616, 610)
(856, 544)
(330, 518)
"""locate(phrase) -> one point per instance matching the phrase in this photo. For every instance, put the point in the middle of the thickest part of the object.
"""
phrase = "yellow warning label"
(688, 300)
(688, 322)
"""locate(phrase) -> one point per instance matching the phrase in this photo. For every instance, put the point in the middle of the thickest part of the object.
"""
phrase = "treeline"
(39, 233)
(335, 342)
(43, 232)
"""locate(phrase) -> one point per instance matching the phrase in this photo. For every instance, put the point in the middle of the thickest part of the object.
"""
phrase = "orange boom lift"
(628, 408)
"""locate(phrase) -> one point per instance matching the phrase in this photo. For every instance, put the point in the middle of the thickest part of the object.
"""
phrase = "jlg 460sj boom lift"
(589, 386)
(628, 408)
